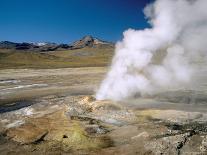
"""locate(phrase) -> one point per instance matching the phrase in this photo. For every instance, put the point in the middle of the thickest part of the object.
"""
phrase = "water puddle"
(18, 87)
(8, 81)
(25, 86)
(15, 106)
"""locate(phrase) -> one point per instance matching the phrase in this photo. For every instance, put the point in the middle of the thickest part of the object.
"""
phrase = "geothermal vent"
(161, 57)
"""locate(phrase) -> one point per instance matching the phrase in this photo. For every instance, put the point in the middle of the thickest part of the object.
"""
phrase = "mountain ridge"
(86, 41)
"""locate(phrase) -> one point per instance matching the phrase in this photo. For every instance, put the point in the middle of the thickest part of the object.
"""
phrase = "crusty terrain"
(54, 111)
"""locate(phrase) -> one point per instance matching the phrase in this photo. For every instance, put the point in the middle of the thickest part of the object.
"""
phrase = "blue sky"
(64, 21)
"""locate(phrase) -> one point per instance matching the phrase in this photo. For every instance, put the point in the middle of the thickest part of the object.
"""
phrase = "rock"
(96, 129)
(75, 111)
(203, 146)
(26, 133)
(57, 129)
(168, 144)
(92, 104)
(194, 144)
(86, 103)
(88, 99)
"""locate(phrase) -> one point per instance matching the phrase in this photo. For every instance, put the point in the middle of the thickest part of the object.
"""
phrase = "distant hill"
(28, 46)
(87, 41)
(88, 51)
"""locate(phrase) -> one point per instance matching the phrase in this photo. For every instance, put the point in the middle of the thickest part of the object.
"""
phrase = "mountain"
(7, 45)
(38, 47)
(87, 41)
(40, 43)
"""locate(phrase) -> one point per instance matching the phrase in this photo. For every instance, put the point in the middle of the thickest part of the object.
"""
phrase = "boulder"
(26, 133)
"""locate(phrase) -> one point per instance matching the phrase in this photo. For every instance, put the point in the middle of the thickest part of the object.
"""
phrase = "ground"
(53, 111)
(84, 57)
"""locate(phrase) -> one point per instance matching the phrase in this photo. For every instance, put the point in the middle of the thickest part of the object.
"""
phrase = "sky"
(64, 21)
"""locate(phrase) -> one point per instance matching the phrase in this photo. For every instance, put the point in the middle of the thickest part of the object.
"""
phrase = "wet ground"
(53, 111)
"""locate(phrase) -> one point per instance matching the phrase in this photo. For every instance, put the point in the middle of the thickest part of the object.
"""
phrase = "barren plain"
(53, 111)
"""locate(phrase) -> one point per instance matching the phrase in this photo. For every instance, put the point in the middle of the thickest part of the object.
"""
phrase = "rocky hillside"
(89, 41)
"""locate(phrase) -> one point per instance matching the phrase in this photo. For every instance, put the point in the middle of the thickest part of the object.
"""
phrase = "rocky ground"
(55, 112)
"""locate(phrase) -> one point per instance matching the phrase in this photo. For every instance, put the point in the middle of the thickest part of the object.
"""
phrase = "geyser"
(158, 58)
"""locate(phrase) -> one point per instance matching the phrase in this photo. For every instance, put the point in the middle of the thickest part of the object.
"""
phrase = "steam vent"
(63, 92)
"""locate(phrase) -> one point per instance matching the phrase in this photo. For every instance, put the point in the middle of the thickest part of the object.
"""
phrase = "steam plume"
(161, 57)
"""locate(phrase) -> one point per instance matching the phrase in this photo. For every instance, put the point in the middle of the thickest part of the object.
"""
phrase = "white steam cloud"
(161, 57)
